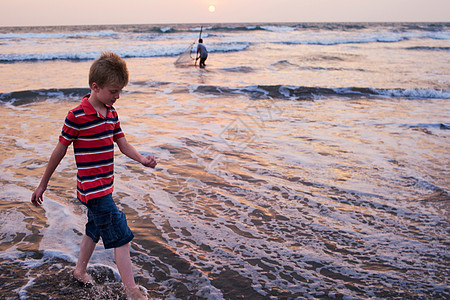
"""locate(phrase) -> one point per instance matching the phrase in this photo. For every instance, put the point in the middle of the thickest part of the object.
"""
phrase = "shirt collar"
(88, 108)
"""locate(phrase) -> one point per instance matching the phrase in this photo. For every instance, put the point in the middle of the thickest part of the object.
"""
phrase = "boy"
(93, 126)
(202, 53)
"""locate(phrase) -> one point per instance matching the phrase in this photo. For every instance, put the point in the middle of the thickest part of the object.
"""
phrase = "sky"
(90, 12)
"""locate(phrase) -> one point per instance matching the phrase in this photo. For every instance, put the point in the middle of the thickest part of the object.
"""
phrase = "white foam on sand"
(11, 224)
(49, 257)
(65, 232)
(23, 290)
(62, 223)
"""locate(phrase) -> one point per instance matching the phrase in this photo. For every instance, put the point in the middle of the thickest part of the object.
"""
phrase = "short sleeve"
(118, 133)
(70, 130)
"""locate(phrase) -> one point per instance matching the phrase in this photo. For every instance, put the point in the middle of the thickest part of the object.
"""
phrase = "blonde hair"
(108, 69)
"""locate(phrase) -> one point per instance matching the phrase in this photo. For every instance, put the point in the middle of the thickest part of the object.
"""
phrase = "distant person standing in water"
(202, 53)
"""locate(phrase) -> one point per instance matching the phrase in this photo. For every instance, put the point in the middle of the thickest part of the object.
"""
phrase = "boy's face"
(108, 94)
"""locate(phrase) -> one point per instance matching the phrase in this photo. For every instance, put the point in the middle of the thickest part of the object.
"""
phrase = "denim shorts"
(107, 222)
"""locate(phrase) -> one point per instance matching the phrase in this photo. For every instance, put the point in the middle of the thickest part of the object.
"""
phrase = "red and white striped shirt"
(92, 136)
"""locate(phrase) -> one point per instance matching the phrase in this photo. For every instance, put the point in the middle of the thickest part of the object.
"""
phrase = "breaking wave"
(316, 93)
(31, 96)
(282, 92)
(157, 50)
(79, 43)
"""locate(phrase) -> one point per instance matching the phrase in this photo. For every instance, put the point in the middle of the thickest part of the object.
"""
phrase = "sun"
(212, 8)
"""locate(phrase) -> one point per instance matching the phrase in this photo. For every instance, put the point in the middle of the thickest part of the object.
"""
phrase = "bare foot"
(135, 294)
(83, 278)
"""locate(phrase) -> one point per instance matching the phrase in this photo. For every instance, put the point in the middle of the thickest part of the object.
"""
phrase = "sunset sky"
(86, 12)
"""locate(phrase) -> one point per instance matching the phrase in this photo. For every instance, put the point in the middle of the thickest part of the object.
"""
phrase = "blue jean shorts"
(107, 222)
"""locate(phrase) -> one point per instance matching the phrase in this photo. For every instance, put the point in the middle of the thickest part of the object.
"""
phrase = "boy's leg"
(123, 261)
(86, 249)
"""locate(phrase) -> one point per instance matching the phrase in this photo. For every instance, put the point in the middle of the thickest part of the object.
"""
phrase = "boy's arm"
(127, 149)
(56, 157)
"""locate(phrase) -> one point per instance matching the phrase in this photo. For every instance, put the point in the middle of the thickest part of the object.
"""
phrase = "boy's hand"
(150, 161)
(37, 198)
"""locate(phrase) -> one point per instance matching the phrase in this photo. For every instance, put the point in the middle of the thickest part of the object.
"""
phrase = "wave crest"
(316, 93)
(283, 92)
(31, 96)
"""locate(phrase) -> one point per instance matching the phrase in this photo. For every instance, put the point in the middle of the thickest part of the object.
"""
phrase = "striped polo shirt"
(93, 138)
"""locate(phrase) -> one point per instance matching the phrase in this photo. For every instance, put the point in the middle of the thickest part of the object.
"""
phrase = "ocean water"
(306, 161)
